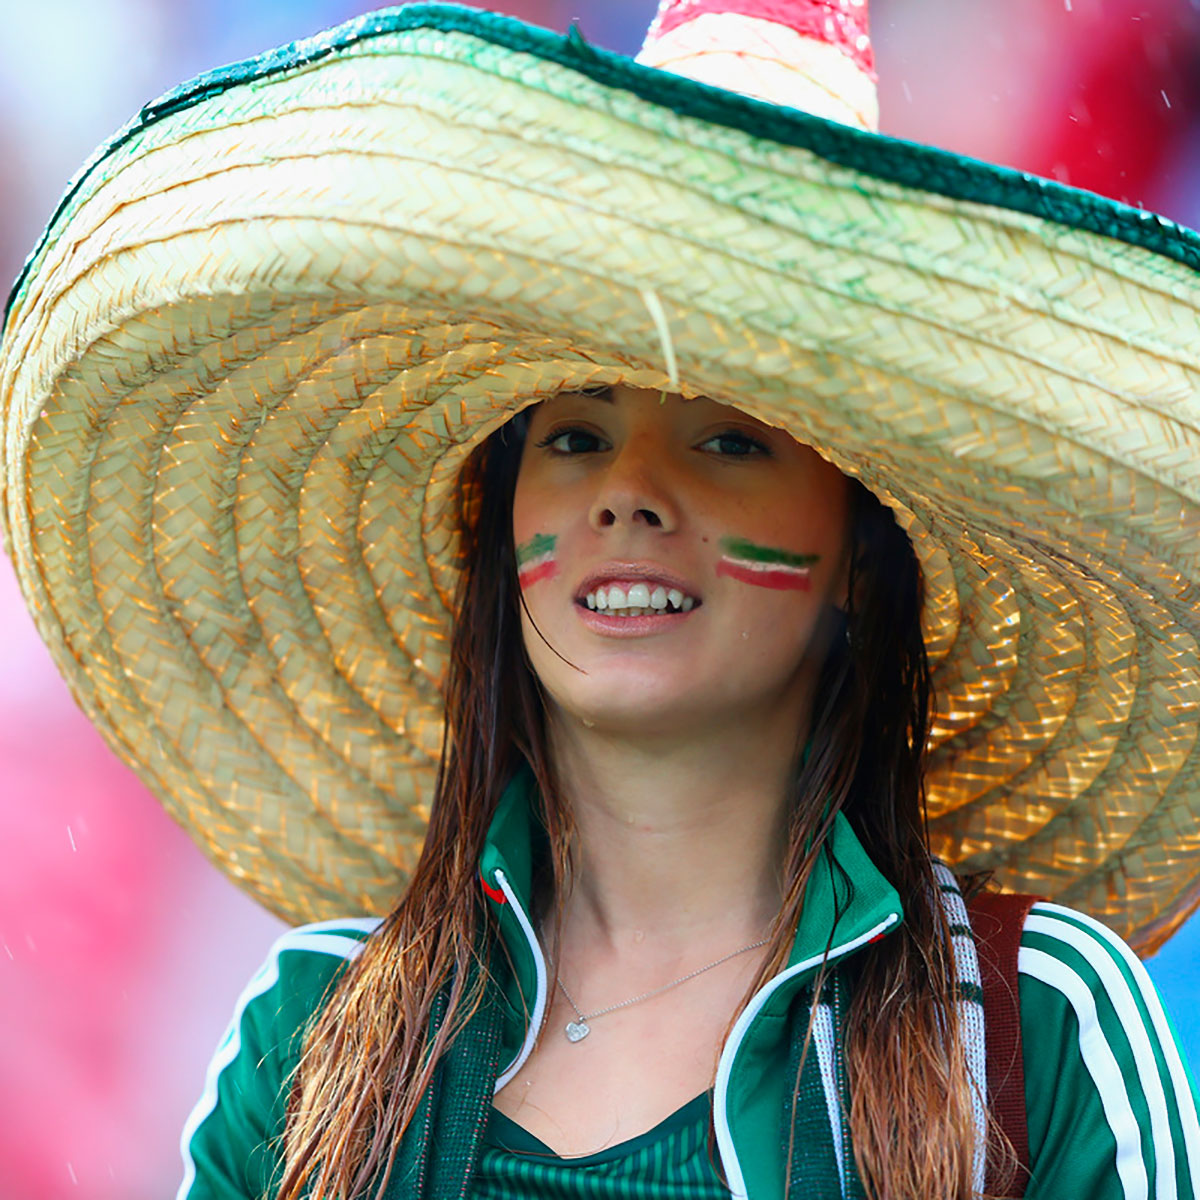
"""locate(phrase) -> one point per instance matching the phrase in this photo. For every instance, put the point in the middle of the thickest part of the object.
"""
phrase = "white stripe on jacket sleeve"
(1097, 956)
(1181, 1088)
(1101, 1065)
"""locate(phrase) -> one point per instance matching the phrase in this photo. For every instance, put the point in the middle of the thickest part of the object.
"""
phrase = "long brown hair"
(369, 1054)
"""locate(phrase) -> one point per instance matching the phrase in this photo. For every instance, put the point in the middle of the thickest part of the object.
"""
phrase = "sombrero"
(273, 315)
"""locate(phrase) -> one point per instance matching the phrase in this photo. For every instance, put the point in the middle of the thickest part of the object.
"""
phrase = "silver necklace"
(576, 1031)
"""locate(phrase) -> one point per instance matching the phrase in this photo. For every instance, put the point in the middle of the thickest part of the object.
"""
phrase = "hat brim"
(243, 366)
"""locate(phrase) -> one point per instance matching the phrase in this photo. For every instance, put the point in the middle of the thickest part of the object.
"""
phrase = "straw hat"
(274, 314)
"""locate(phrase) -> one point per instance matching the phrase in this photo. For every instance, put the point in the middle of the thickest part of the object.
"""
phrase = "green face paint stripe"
(749, 552)
(538, 545)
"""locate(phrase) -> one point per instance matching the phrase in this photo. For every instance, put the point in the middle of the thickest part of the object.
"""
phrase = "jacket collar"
(506, 875)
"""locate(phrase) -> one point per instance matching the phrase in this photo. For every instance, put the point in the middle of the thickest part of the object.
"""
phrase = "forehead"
(623, 394)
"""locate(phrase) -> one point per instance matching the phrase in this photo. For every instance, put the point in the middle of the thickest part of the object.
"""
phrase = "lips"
(631, 622)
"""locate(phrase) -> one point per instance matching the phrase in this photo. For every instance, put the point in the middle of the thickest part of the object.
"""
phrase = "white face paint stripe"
(539, 1002)
(316, 939)
(725, 1147)
(751, 564)
(1188, 1121)
(1101, 1065)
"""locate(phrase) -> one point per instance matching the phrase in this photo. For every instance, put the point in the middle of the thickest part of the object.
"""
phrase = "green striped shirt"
(673, 1161)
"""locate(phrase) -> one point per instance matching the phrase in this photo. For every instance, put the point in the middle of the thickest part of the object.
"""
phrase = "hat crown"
(814, 55)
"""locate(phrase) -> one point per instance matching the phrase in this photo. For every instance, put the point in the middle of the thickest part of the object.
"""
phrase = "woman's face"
(680, 556)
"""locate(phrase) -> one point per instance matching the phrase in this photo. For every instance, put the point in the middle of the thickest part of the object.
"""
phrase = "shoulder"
(319, 949)
(1091, 970)
(1068, 950)
(296, 975)
(1075, 963)
(1102, 1067)
(1072, 966)
(230, 1140)
(274, 1008)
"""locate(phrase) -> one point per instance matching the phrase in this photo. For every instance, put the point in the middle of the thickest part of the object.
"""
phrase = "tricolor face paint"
(535, 559)
(765, 566)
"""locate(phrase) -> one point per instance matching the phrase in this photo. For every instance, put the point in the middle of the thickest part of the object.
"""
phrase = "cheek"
(536, 545)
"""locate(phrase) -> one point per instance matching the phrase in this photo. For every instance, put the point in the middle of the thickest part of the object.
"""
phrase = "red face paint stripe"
(838, 23)
(492, 893)
(536, 572)
(780, 579)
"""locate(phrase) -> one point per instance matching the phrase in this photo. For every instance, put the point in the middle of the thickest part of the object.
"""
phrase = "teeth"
(639, 596)
(638, 601)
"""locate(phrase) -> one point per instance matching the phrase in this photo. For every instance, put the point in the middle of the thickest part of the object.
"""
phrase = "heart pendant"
(576, 1031)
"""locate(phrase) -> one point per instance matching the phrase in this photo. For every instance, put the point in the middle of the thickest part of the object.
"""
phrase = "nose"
(634, 491)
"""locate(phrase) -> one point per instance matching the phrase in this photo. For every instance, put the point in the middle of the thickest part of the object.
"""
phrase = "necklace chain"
(576, 1031)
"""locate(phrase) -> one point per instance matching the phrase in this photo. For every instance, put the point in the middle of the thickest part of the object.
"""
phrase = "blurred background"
(121, 950)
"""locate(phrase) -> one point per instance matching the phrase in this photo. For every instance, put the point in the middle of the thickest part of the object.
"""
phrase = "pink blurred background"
(121, 949)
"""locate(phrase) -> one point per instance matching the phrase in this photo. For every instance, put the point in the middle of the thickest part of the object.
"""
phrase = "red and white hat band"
(814, 55)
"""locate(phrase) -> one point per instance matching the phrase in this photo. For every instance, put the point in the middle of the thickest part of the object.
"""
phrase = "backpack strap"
(968, 984)
(998, 921)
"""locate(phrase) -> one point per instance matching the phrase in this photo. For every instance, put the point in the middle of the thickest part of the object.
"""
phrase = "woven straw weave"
(268, 324)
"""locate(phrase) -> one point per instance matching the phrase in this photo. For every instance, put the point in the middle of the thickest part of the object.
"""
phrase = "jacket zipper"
(539, 1000)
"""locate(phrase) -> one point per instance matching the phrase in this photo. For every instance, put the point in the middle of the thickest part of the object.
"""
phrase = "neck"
(679, 842)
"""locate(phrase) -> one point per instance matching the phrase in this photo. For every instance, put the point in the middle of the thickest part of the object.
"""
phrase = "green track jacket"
(1110, 1105)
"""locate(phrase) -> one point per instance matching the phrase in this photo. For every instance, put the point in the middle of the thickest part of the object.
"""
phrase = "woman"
(668, 854)
(433, 401)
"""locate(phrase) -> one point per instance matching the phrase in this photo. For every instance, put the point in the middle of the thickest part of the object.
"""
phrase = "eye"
(572, 441)
(734, 443)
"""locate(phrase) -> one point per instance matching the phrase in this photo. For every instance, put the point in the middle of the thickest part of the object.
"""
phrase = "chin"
(657, 713)
(633, 725)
